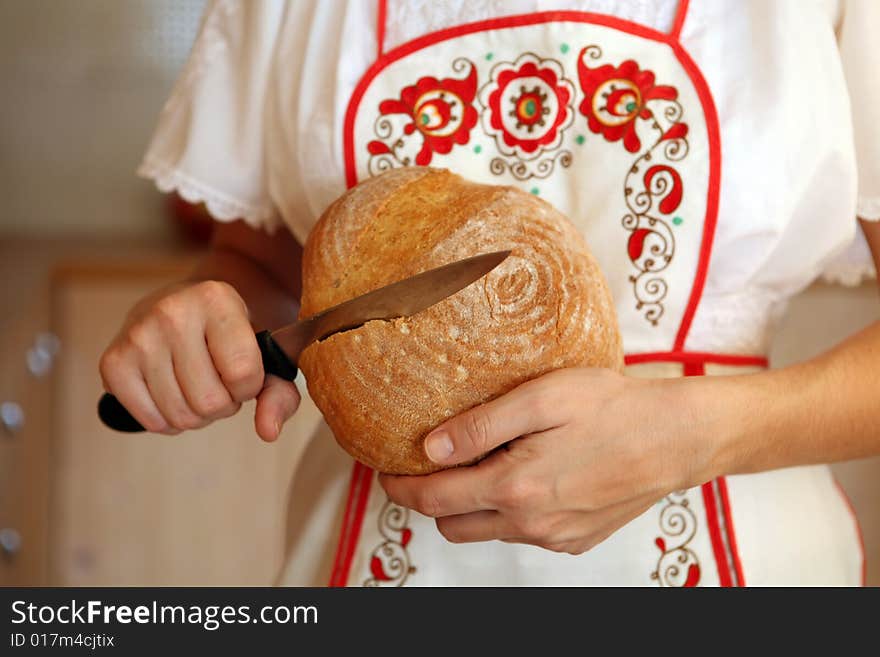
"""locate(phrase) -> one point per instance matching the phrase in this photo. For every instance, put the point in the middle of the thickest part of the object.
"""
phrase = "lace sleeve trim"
(219, 205)
(849, 275)
(868, 208)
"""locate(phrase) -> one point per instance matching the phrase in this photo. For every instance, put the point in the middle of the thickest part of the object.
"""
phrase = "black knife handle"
(275, 361)
(116, 416)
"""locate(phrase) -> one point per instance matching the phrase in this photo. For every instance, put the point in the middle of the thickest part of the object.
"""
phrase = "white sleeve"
(209, 142)
(858, 36)
(859, 42)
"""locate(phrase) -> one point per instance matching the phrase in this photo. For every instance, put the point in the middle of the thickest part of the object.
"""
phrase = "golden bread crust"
(384, 386)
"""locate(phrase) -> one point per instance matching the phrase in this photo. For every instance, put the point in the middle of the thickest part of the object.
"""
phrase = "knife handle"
(116, 416)
(275, 361)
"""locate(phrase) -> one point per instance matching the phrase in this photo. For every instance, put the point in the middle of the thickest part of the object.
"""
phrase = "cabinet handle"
(10, 542)
(11, 417)
(42, 354)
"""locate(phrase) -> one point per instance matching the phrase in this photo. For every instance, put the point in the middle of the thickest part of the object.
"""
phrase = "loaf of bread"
(382, 387)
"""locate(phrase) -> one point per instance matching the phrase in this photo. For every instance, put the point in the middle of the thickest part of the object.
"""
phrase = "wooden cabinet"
(24, 449)
(94, 507)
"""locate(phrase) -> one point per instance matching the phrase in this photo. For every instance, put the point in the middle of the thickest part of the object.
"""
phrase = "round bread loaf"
(382, 387)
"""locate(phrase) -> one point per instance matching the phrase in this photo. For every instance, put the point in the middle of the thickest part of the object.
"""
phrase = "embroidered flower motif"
(389, 562)
(614, 97)
(529, 104)
(678, 565)
(623, 103)
(441, 111)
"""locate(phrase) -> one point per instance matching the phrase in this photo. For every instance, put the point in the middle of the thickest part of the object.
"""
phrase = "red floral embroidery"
(678, 564)
(389, 562)
(673, 190)
(654, 238)
(693, 577)
(623, 103)
(528, 105)
(616, 96)
(440, 110)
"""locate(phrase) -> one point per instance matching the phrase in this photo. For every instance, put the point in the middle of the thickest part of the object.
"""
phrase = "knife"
(281, 348)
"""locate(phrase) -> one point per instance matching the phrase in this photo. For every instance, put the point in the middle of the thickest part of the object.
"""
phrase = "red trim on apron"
(725, 577)
(680, 14)
(352, 521)
(696, 358)
(381, 14)
(711, 116)
(723, 538)
(731, 534)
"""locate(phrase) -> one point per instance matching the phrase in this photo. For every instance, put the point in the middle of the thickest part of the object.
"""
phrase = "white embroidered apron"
(613, 123)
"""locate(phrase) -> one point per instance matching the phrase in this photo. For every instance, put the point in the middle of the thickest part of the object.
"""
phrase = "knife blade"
(281, 347)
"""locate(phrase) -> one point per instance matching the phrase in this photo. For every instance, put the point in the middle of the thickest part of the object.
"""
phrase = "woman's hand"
(187, 356)
(582, 452)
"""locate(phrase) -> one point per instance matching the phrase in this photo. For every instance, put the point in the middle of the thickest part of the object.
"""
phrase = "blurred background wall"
(81, 84)
(81, 238)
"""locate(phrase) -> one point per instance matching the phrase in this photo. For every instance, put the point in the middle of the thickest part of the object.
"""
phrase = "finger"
(615, 518)
(590, 529)
(166, 393)
(446, 493)
(471, 434)
(474, 527)
(276, 403)
(198, 378)
(569, 548)
(606, 525)
(236, 356)
(129, 387)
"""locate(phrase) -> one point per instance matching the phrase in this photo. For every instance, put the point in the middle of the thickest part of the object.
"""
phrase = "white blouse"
(255, 126)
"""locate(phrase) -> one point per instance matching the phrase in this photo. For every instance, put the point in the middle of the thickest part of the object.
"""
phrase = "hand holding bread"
(384, 386)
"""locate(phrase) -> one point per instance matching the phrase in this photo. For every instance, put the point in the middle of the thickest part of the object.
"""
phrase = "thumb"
(483, 428)
(276, 403)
